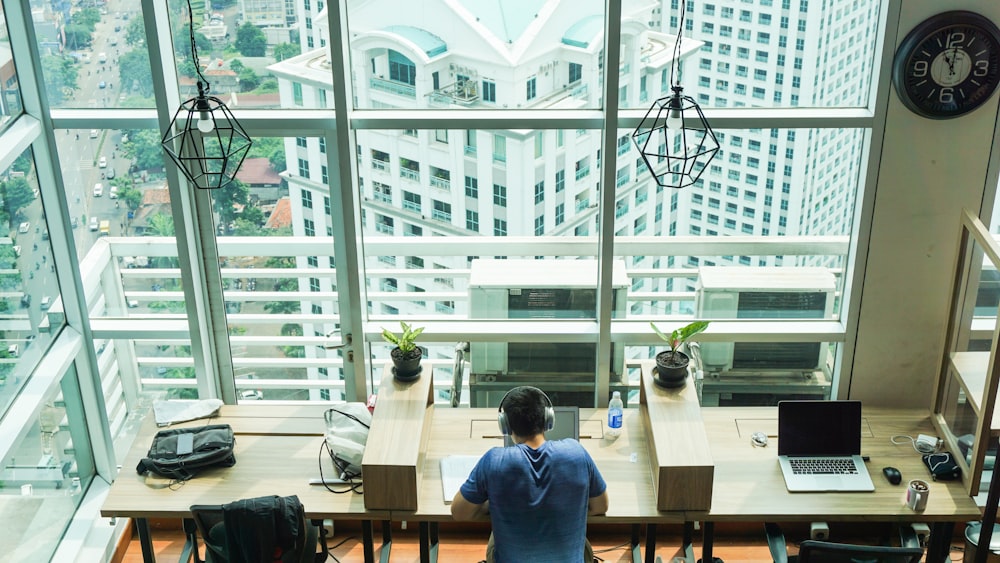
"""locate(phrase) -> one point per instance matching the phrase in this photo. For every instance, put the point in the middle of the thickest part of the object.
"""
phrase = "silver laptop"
(819, 446)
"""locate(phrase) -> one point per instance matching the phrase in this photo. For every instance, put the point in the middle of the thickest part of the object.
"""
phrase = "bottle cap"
(616, 394)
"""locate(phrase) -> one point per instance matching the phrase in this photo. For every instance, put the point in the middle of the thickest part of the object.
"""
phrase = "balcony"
(462, 93)
(408, 174)
(393, 87)
(441, 183)
(382, 165)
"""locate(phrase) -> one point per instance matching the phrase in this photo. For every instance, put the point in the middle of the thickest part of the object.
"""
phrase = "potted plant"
(671, 364)
(406, 355)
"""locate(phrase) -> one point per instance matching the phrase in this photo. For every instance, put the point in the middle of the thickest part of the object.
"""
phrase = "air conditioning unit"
(734, 292)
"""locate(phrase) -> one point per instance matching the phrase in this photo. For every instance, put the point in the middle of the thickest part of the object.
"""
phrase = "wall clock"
(948, 65)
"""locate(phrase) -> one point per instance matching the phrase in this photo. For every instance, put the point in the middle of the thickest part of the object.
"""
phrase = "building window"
(441, 211)
(500, 195)
(575, 72)
(296, 93)
(309, 227)
(301, 142)
(472, 187)
(303, 168)
(540, 192)
(401, 69)
(472, 221)
(489, 91)
(530, 89)
(560, 214)
(499, 228)
(539, 225)
(499, 148)
(411, 201)
(560, 180)
(307, 199)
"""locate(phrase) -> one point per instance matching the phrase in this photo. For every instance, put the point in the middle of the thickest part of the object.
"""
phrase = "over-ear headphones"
(550, 411)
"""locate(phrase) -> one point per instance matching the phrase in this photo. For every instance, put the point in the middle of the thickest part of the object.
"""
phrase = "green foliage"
(224, 200)
(294, 351)
(22, 163)
(283, 307)
(681, 335)
(405, 341)
(249, 80)
(78, 36)
(291, 329)
(250, 41)
(134, 74)
(17, 194)
(268, 86)
(87, 17)
(284, 51)
(161, 225)
(135, 32)
(60, 75)
(144, 149)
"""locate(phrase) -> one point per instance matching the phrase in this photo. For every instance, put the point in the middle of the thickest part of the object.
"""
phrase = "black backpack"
(181, 453)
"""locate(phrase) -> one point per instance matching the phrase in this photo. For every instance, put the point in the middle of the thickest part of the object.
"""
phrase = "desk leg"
(145, 540)
(634, 544)
(383, 554)
(707, 541)
(687, 542)
(650, 543)
(367, 542)
(428, 542)
(940, 543)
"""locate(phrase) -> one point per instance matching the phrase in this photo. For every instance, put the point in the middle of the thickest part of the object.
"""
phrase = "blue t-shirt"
(538, 499)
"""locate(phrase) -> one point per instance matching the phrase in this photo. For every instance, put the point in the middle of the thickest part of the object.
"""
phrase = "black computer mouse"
(892, 475)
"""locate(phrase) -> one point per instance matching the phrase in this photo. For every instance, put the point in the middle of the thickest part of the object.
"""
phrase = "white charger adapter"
(926, 443)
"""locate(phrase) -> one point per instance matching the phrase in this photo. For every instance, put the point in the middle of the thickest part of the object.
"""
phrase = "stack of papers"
(455, 470)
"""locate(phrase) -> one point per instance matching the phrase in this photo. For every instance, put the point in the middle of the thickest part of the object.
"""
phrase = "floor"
(737, 545)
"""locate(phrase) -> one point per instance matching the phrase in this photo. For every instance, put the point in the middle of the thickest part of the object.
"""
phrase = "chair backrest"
(261, 525)
(812, 551)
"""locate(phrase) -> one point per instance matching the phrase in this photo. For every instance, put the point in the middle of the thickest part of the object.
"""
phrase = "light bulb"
(675, 120)
(205, 123)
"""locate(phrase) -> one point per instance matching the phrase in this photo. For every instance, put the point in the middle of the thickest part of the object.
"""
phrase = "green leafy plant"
(679, 336)
(405, 341)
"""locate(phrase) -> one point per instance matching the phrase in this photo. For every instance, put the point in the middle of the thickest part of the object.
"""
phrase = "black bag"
(181, 453)
(942, 467)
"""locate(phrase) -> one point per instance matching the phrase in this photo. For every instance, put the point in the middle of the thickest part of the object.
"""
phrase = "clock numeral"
(955, 39)
(946, 96)
(920, 69)
(982, 68)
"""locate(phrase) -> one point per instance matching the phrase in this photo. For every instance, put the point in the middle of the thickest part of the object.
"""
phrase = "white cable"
(917, 446)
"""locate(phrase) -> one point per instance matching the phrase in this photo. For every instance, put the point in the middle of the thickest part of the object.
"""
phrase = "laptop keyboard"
(821, 466)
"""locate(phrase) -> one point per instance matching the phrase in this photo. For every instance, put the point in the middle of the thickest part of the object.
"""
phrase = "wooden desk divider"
(397, 442)
(679, 453)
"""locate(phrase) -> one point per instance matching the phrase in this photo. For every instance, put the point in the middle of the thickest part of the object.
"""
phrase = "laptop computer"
(819, 446)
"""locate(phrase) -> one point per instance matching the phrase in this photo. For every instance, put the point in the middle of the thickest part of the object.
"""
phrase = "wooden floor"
(468, 544)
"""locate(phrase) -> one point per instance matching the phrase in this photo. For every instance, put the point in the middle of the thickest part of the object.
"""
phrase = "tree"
(131, 196)
(253, 215)
(144, 148)
(134, 73)
(77, 36)
(225, 200)
(283, 307)
(250, 41)
(60, 75)
(249, 80)
(284, 51)
(135, 33)
(17, 194)
(236, 66)
(161, 225)
(22, 164)
(182, 42)
(268, 86)
(244, 228)
(87, 17)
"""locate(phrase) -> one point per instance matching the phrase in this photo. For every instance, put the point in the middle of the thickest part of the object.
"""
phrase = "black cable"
(676, 62)
(194, 49)
(352, 485)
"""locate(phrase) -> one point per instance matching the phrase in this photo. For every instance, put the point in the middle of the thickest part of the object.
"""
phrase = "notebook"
(455, 469)
(819, 446)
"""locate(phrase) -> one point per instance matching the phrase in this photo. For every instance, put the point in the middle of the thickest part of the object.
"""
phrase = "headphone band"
(548, 401)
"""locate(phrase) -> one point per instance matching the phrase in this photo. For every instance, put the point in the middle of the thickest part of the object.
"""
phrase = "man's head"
(525, 409)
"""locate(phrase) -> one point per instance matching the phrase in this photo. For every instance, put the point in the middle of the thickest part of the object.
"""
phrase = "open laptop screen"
(819, 428)
(567, 424)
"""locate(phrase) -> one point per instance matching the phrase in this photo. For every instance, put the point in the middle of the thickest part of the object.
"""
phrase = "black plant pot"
(671, 369)
(406, 367)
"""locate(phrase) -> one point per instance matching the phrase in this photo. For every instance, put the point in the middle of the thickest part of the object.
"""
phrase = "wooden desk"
(749, 486)
(266, 464)
(624, 463)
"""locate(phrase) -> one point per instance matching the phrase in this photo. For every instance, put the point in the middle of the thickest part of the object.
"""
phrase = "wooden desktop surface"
(279, 462)
(749, 486)
(624, 463)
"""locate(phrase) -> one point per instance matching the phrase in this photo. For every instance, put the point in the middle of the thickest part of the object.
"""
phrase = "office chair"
(210, 523)
(814, 551)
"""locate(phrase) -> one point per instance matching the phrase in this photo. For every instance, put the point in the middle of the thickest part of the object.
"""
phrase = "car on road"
(45, 303)
(94, 133)
(102, 162)
(98, 189)
(110, 173)
(23, 228)
(113, 192)
(94, 223)
(102, 85)
(17, 251)
(13, 351)
(25, 300)
(74, 222)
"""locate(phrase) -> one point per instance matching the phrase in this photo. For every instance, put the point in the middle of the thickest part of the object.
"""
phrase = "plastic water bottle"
(615, 415)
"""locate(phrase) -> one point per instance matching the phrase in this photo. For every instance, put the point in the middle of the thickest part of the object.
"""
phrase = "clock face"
(948, 65)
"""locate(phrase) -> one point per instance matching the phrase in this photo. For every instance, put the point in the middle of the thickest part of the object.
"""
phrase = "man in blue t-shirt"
(537, 493)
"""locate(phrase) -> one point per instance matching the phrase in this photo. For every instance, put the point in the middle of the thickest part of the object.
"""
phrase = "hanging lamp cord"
(203, 85)
(675, 64)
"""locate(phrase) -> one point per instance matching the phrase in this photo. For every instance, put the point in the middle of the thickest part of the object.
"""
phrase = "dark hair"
(525, 409)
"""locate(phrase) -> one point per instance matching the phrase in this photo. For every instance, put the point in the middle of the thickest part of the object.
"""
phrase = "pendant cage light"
(204, 139)
(674, 138)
